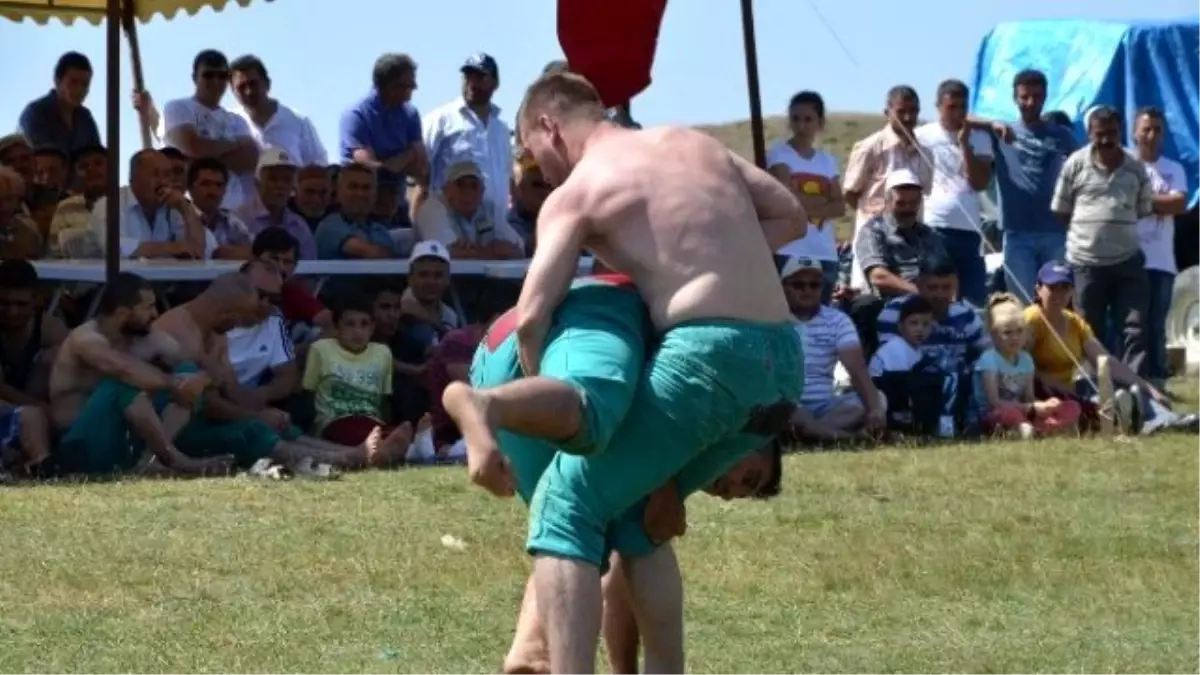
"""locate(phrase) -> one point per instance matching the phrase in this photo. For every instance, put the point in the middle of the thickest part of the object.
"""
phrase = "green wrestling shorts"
(713, 392)
(597, 344)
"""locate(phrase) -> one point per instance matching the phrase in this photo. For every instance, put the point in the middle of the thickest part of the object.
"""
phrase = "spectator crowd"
(292, 379)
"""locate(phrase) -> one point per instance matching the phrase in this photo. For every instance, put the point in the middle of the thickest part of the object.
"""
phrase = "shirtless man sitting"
(694, 226)
(29, 337)
(233, 419)
(107, 400)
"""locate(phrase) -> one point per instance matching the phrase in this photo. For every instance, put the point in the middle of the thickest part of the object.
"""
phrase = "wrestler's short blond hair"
(562, 95)
(11, 182)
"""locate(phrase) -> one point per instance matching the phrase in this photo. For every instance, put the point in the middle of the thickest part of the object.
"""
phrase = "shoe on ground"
(1123, 410)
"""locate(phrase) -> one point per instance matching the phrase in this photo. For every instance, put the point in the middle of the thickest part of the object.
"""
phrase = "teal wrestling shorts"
(713, 392)
(597, 343)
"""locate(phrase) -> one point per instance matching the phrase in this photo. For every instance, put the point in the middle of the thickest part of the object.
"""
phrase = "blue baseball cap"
(483, 63)
(1056, 272)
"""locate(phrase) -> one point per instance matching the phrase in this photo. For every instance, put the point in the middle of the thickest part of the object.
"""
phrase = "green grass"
(1073, 556)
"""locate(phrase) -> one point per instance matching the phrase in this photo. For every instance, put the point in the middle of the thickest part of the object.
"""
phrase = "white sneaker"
(1028, 433)
(1123, 409)
(421, 450)
(307, 468)
(1160, 418)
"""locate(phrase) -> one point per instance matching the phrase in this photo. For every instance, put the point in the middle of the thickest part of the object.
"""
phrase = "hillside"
(841, 132)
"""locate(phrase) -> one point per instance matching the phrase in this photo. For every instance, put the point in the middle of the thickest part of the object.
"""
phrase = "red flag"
(611, 43)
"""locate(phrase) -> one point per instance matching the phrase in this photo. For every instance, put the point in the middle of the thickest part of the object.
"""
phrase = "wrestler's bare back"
(671, 208)
(72, 377)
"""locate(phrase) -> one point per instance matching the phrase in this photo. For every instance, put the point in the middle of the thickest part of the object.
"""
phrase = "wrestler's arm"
(562, 228)
(780, 214)
(94, 351)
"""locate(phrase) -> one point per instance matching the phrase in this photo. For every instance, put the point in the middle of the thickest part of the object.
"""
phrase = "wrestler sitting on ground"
(694, 226)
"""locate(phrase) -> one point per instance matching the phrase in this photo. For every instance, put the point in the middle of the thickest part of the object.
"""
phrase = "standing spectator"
(349, 233)
(274, 181)
(890, 248)
(59, 119)
(206, 182)
(470, 128)
(1026, 171)
(461, 218)
(383, 130)
(313, 191)
(157, 221)
(529, 192)
(962, 165)
(200, 127)
(73, 214)
(1102, 192)
(19, 238)
(272, 124)
(813, 174)
(875, 157)
(1157, 233)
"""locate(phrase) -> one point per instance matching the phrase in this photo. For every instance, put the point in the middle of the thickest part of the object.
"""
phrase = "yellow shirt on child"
(346, 383)
(1052, 359)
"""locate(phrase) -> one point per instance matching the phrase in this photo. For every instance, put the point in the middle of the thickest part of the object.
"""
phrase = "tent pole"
(756, 119)
(129, 22)
(112, 211)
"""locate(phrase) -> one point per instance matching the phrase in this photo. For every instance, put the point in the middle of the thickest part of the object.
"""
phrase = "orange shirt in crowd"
(1054, 358)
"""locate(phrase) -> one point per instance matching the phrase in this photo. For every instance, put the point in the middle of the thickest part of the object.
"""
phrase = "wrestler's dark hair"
(774, 484)
(18, 275)
(352, 302)
(124, 291)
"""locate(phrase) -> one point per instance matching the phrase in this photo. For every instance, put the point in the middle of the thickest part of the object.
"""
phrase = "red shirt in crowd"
(298, 304)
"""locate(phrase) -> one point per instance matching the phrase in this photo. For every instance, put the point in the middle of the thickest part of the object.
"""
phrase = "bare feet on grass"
(389, 451)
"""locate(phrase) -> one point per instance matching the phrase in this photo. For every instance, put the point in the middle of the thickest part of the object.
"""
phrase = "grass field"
(1073, 556)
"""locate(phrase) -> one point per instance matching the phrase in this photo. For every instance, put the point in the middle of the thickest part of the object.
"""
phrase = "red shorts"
(353, 430)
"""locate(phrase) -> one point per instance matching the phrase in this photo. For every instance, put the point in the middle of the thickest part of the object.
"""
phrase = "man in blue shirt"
(59, 119)
(1026, 172)
(383, 130)
(349, 233)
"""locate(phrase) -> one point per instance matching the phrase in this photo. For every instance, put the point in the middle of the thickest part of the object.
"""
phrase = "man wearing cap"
(275, 180)
(383, 129)
(157, 220)
(59, 118)
(890, 246)
(349, 233)
(470, 128)
(462, 219)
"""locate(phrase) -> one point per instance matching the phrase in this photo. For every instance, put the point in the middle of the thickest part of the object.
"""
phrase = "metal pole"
(112, 211)
(756, 119)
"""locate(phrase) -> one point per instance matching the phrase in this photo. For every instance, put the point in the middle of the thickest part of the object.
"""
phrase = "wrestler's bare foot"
(528, 659)
(469, 408)
(390, 451)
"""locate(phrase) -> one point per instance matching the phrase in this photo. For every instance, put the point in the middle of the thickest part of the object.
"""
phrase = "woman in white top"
(813, 174)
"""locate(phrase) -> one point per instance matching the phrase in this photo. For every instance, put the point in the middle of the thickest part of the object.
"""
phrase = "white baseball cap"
(429, 249)
(902, 178)
(789, 265)
(271, 157)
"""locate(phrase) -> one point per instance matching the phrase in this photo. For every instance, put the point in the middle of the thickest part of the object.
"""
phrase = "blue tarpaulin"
(1123, 64)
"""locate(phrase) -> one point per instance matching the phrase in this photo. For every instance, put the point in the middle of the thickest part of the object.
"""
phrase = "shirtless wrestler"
(107, 400)
(694, 226)
(231, 420)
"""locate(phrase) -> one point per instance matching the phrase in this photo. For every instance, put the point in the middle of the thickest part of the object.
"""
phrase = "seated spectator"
(24, 440)
(921, 397)
(50, 164)
(17, 154)
(901, 350)
(59, 118)
(29, 337)
(19, 237)
(349, 233)
(312, 198)
(1062, 343)
(529, 192)
(177, 163)
(275, 180)
(889, 248)
(305, 315)
(827, 336)
(1004, 380)
(957, 337)
(460, 218)
(410, 398)
(206, 182)
(73, 215)
(351, 380)
(157, 221)
(428, 282)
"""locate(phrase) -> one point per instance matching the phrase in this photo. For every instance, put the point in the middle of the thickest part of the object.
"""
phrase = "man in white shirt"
(1157, 233)
(200, 127)
(462, 219)
(470, 128)
(272, 124)
(157, 220)
(962, 166)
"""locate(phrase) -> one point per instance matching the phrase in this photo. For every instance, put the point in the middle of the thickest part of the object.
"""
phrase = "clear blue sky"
(320, 58)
